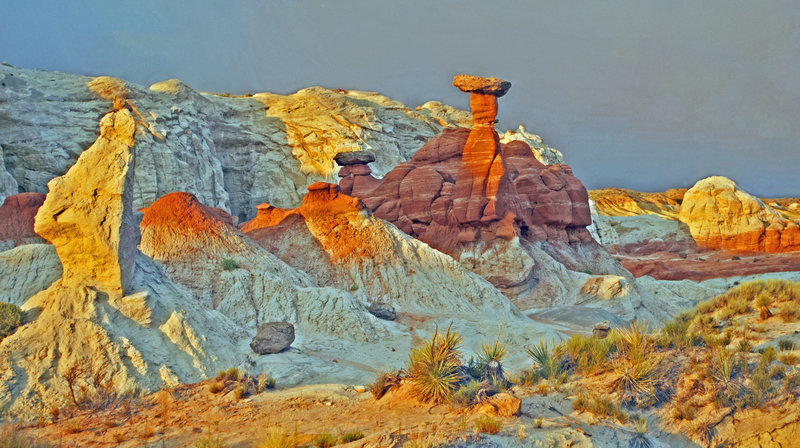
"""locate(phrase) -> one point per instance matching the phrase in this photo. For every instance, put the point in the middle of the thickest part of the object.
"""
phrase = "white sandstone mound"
(542, 152)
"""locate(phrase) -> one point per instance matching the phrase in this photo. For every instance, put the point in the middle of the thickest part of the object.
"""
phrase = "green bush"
(228, 264)
(785, 344)
(11, 317)
(465, 395)
(543, 356)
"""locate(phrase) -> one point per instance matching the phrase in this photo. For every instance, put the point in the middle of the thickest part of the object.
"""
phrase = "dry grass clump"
(546, 360)
(11, 438)
(324, 440)
(587, 354)
(276, 437)
(488, 425)
(640, 369)
(209, 442)
(434, 367)
(351, 436)
(383, 383)
(600, 405)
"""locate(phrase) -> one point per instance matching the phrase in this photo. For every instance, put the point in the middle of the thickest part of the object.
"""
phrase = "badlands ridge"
(152, 258)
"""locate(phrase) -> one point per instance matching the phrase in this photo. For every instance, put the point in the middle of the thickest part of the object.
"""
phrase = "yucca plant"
(763, 301)
(433, 367)
(640, 439)
(542, 355)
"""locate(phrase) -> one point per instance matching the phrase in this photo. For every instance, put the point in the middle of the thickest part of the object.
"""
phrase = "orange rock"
(502, 405)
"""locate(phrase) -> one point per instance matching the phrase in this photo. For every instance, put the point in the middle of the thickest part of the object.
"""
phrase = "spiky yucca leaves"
(492, 352)
(763, 301)
(638, 366)
(433, 367)
(542, 354)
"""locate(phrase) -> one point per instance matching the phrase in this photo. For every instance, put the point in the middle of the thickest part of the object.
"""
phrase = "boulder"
(354, 158)
(383, 311)
(477, 84)
(502, 405)
(601, 330)
(273, 337)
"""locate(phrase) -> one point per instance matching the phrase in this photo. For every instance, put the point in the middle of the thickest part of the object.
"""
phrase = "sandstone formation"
(89, 211)
(464, 186)
(338, 242)
(624, 202)
(112, 320)
(16, 219)
(191, 241)
(722, 216)
(272, 337)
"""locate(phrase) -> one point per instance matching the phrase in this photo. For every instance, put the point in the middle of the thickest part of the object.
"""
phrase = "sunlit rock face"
(464, 186)
(722, 216)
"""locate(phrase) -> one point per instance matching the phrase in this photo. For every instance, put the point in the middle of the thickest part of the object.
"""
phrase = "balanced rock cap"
(354, 158)
(476, 84)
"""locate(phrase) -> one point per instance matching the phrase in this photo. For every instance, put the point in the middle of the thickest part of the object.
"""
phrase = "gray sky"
(639, 94)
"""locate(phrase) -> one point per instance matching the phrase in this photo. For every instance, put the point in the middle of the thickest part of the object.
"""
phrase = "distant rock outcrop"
(16, 219)
(722, 216)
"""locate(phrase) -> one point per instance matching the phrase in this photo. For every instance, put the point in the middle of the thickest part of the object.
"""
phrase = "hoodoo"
(465, 186)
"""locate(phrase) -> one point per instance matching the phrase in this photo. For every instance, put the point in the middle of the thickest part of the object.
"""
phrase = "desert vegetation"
(11, 317)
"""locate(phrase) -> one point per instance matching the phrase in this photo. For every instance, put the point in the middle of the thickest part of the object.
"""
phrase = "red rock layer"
(704, 266)
(17, 215)
(464, 186)
(327, 213)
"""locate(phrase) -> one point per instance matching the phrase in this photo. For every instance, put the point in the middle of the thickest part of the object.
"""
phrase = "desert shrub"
(763, 301)
(465, 395)
(488, 425)
(676, 334)
(264, 381)
(324, 440)
(683, 411)
(640, 439)
(228, 264)
(789, 311)
(276, 437)
(216, 387)
(791, 382)
(599, 405)
(587, 354)
(240, 391)
(383, 383)
(767, 355)
(546, 362)
(11, 438)
(785, 344)
(233, 374)
(209, 442)
(529, 377)
(760, 387)
(11, 317)
(789, 358)
(351, 436)
(638, 367)
(433, 367)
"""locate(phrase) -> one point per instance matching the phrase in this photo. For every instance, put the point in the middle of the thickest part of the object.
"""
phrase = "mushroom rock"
(88, 213)
(16, 219)
(464, 186)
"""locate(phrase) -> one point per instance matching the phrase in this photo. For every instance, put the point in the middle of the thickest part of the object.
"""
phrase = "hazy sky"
(639, 94)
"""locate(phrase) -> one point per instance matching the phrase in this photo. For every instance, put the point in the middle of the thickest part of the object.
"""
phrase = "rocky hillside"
(210, 145)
